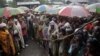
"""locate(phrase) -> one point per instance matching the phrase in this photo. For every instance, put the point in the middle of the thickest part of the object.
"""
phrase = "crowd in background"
(16, 31)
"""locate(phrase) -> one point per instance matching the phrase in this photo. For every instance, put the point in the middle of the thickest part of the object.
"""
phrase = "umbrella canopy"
(54, 10)
(55, 6)
(15, 11)
(9, 11)
(1, 12)
(94, 7)
(76, 4)
(72, 11)
(42, 8)
(24, 8)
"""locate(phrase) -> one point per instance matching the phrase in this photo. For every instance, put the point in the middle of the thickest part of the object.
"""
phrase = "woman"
(6, 41)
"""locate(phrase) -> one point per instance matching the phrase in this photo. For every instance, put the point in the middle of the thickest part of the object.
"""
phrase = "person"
(53, 26)
(67, 27)
(96, 39)
(30, 25)
(18, 26)
(46, 37)
(6, 41)
(40, 33)
(62, 34)
(24, 30)
(73, 50)
(45, 34)
(89, 28)
(52, 31)
(96, 30)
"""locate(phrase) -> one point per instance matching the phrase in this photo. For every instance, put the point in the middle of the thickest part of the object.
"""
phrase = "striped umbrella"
(42, 8)
(72, 11)
(94, 7)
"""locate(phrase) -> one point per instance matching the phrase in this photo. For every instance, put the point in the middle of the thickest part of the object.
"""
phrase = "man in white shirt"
(18, 28)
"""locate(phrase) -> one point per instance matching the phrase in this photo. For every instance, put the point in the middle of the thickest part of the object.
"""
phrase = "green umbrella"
(15, 11)
(24, 8)
(94, 7)
(1, 12)
(98, 10)
(9, 11)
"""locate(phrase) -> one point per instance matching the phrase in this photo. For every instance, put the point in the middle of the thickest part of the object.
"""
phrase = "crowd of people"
(49, 31)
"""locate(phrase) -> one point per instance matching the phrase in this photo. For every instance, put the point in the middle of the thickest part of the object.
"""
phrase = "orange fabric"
(6, 42)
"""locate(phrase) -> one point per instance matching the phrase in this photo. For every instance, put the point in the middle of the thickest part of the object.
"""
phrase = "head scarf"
(2, 25)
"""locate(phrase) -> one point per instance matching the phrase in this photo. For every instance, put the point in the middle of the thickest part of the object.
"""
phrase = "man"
(30, 27)
(18, 26)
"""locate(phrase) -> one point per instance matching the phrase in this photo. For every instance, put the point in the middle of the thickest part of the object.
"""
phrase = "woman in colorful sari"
(6, 41)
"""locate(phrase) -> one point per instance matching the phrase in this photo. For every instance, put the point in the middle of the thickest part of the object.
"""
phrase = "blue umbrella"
(42, 8)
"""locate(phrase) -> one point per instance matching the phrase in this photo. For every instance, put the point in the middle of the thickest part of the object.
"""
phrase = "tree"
(2, 3)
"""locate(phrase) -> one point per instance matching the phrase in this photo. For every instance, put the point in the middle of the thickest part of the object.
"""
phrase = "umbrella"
(9, 11)
(94, 7)
(54, 10)
(72, 11)
(1, 12)
(42, 8)
(76, 4)
(24, 8)
(15, 11)
(56, 6)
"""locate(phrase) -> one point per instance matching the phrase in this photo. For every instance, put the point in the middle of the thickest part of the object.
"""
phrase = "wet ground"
(34, 49)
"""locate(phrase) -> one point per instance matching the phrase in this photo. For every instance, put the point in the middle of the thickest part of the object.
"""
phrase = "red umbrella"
(72, 11)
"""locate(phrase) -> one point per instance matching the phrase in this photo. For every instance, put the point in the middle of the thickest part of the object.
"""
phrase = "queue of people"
(17, 30)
